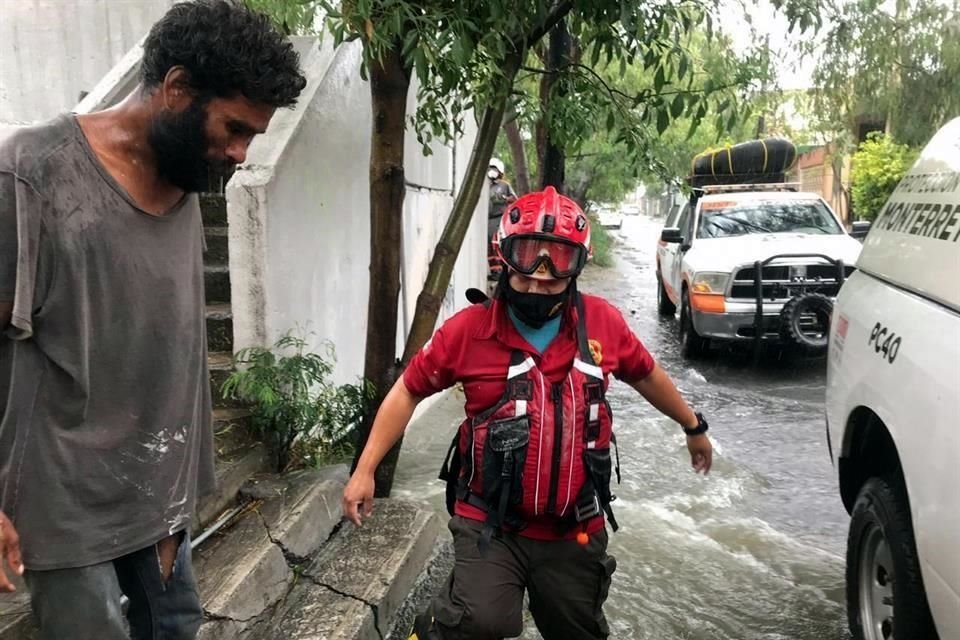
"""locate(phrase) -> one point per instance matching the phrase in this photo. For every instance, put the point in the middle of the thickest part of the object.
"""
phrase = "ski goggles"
(534, 254)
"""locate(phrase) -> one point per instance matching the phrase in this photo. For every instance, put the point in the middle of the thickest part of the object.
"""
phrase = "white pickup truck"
(753, 263)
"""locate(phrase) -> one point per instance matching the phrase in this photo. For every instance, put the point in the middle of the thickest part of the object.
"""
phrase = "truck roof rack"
(730, 188)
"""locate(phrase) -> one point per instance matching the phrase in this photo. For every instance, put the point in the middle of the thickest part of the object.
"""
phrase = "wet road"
(755, 550)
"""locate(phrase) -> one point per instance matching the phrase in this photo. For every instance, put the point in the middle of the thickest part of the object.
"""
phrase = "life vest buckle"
(587, 509)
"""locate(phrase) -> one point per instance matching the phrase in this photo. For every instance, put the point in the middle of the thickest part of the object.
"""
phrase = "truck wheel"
(885, 596)
(664, 306)
(692, 344)
(805, 321)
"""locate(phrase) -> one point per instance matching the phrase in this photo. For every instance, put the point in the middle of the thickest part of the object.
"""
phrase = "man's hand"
(358, 493)
(9, 552)
(701, 453)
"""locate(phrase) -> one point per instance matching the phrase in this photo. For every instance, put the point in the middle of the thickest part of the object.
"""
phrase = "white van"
(893, 407)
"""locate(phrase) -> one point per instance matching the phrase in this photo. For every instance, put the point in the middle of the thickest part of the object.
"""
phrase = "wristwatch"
(701, 427)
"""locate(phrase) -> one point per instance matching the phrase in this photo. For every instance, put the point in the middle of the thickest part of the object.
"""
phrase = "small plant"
(299, 413)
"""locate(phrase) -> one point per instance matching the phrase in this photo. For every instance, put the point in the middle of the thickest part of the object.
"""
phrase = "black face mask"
(180, 145)
(534, 309)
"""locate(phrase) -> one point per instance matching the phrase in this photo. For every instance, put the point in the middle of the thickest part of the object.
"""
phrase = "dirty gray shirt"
(105, 419)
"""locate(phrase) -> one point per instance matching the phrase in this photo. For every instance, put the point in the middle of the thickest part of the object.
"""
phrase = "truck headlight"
(710, 282)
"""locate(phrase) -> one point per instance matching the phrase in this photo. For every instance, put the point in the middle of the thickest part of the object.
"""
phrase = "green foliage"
(459, 53)
(297, 411)
(893, 64)
(878, 166)
(293, 17)
(602, 244)
(612, 138)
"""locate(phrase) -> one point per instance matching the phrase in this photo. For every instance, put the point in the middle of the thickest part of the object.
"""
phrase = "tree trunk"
(445, 254)
(521, 174)
(389, 85)
(552, 171)
(448, 247)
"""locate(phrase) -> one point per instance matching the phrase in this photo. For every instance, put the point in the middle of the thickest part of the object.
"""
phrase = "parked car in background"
(752, 263)
(610, 218)
(630, 210)
(893, 390)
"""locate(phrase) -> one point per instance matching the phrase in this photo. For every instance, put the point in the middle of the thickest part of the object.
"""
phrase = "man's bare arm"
(6, 312)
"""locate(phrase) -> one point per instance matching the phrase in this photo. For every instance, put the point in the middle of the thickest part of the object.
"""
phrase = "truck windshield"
(724, 219)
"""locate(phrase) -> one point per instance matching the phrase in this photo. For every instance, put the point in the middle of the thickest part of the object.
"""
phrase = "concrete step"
(213, 207)
(432, 579)
(216, 280)
(357, 583)
(239, 457)
(219, 327)
(217, 246)
(246, 570)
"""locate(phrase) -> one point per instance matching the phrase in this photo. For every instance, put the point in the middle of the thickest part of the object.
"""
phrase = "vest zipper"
(556, 391)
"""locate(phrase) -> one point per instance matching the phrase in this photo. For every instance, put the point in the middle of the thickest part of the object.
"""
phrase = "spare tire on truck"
(805, 321)
(753, 162)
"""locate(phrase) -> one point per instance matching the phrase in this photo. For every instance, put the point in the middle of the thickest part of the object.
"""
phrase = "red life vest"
(542, 450)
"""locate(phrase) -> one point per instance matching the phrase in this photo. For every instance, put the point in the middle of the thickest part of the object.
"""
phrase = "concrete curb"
(244, 573)
(358, 581)
(434, 576)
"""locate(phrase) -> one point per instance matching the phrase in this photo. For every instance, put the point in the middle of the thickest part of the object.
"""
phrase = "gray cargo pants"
(84, 603)
(483, 598)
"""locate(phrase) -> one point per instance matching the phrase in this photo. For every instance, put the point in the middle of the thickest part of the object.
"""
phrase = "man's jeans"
(84, 603)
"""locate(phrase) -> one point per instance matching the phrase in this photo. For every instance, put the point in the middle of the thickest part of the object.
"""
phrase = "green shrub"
(305, 419)
(602, 243)
(878, 165)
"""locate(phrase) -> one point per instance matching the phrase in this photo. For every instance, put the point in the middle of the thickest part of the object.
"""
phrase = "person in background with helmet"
(501, 194)
(529, 471)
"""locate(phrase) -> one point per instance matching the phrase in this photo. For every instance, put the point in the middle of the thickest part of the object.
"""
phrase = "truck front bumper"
(737, 322)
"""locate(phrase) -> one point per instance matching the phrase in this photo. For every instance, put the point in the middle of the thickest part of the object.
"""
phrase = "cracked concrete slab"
(242, 573)
(245, 572)
(356, 583)
(303, 507)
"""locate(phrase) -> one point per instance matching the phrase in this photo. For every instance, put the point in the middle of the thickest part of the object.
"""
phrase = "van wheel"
(664, 306)
(692, 344)
(885, 596)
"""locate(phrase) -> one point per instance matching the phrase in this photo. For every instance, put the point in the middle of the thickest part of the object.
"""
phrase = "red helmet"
(544, 231)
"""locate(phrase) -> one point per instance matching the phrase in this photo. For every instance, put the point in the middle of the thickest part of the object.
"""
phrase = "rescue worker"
(530, 468)
(501, 194)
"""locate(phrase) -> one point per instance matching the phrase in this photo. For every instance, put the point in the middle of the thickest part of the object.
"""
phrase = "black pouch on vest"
(503, 458)
(600, 469)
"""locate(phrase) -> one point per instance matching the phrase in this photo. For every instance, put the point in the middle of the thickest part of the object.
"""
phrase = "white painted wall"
(299, 217)
(51, 50)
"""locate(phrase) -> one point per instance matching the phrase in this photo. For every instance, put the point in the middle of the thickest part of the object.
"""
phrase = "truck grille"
(782, 282)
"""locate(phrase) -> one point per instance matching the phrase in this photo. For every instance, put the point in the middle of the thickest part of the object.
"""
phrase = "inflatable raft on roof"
(754, 162)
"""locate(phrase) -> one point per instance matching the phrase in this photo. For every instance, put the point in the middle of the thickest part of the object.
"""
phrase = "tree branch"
(637, 99)
(556, 14)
